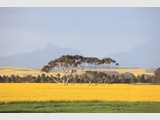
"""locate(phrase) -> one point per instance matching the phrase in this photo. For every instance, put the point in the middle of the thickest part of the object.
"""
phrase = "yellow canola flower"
(14, 92)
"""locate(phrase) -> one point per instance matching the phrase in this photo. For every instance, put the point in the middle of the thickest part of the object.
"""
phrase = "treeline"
(26, 79)
(69, 64)
(86, 77)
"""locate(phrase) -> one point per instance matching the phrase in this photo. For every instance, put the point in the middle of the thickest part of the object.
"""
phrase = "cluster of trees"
(25, 79)
(86, 77)
(69, 64)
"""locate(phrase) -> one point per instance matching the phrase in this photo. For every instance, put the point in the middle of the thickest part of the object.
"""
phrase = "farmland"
(14, 92)
(44, 97)
(77, 97)
(22, 71)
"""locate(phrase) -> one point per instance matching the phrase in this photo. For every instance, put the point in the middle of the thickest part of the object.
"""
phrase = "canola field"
(15, 92)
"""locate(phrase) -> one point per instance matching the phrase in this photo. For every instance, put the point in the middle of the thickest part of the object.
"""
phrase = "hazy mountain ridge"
(145, 55)
(37, 58)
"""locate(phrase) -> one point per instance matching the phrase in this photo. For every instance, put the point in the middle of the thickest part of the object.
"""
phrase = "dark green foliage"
(12, 77)
(85, 77)
(74, 61)
(7, 79)
(156, 79)
(38, 79)
(142, 79)
(122, 78)
(1, 79)
(157, 72)
(43, 78)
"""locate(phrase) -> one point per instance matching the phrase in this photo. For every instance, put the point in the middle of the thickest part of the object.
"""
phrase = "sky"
(93, 31)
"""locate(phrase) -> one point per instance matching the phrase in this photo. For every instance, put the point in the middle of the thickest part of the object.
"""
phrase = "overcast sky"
(93, 31)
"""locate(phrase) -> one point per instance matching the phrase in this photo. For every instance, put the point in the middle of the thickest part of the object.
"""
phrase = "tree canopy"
(69, 62)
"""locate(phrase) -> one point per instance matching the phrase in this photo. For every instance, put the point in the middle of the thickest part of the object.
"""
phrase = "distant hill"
(37, 58)
(146, 55)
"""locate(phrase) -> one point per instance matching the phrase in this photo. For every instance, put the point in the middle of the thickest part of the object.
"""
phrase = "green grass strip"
(80, 107)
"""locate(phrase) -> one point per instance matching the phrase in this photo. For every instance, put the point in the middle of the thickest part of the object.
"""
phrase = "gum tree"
(69, 64)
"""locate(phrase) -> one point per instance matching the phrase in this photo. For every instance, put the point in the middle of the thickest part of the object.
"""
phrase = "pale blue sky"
(94, 31)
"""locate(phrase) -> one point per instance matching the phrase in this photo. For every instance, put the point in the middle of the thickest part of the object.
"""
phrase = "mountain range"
(146, 55)
(37, 58)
